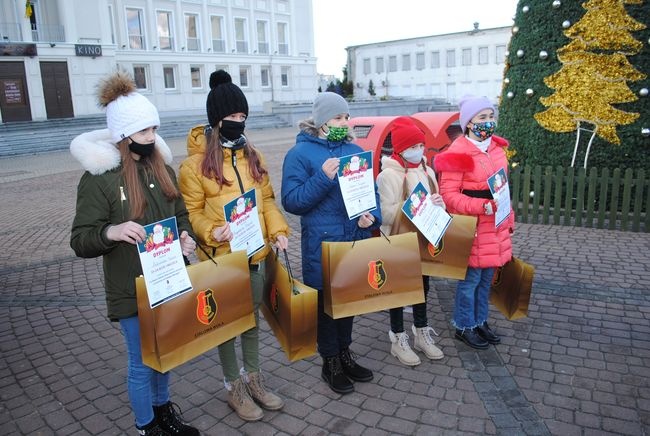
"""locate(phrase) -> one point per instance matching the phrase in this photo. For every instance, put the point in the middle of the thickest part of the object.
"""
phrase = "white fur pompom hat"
(127, 111)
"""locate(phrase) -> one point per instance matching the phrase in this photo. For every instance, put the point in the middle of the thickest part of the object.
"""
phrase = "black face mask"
(144, 150)
(232, 130)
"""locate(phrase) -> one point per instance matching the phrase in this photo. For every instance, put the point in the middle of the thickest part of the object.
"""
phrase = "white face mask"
(413, 155)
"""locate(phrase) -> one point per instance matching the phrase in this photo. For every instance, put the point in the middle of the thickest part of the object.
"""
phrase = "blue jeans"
(472, 298)
(146, 386)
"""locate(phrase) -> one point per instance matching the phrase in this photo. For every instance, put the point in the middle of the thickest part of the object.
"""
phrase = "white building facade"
(440, 66)
(53, 59)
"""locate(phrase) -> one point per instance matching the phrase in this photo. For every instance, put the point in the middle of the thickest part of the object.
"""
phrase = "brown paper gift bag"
(290, 308)
(449, 259)
(511, 288)
(218, 308)
(371, 275)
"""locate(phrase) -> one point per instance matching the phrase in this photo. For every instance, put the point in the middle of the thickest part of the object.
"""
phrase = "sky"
(342, 23)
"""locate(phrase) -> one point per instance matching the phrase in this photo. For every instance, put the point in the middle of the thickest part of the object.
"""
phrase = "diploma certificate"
(498, 183)
(162, 262)
(357, 183)
(241, 214)
(430, 219)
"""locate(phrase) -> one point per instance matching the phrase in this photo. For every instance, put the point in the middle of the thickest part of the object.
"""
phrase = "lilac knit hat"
(469, 106)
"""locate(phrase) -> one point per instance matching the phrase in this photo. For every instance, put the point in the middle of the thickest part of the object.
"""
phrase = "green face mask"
(337, 134)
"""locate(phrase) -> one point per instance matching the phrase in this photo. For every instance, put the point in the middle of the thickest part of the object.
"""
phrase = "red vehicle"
(373, 133)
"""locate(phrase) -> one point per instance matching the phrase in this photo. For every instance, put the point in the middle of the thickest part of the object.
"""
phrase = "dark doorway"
(56, 90)
(14, 98)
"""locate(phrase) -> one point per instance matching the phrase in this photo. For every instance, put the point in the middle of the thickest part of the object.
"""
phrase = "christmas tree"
(577, 72)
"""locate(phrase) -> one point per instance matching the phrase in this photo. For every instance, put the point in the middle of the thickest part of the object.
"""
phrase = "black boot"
(170, 421)
(471, 338)
(487, 334)
(352, 369)
(334, 376)
(152, 429)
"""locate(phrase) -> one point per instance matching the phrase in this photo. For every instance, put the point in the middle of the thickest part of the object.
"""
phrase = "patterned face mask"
(484, 130)
(337, 134)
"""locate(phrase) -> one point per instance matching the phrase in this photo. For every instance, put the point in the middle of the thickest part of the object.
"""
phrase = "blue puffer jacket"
(308, 192)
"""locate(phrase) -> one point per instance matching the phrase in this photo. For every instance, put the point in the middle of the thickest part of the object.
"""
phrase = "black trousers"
(333, 335)
(419, 312)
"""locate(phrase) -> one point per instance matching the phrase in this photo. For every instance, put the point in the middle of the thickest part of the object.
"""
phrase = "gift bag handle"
(207, 254)
(294, 290)
(380, 232)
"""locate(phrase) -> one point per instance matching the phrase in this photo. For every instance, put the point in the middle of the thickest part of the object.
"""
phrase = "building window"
(467, 56)
(284, 76)
(482, 55)
(165, 26)
(451, 58)
(169, 77)
(406, 62)
(501, 54)
(379, 65)
(243, 76)
(265, 75)
(241, 41)
(141, 77)
(366, 66)
(392, 64)
(262, 37)
(111, 23)
(135, 28)
(196, 74)
(192, 32)
(283, 39)
(419, 61)
(435, 59)
(218, 41)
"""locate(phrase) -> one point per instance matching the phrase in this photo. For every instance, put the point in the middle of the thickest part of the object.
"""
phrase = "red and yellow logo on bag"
(273, 298)
(206, 306)
(376, 274)
(435, 250)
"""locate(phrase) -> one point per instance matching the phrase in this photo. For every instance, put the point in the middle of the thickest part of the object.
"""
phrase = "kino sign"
(88, 50)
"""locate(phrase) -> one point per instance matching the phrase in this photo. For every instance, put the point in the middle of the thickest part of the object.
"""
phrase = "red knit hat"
(405, 134)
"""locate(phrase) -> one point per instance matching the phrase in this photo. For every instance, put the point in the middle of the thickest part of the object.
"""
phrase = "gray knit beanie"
(327, 105)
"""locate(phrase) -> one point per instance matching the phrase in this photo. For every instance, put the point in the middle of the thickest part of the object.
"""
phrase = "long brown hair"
(154, 166)
(213, 160)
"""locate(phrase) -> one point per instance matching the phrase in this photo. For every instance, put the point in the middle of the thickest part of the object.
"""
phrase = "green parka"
(102, 201)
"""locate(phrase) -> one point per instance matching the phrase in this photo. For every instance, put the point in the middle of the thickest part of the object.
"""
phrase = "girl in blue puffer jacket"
(310, 189)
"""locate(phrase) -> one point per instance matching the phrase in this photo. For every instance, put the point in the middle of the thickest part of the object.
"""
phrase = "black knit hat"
(225, 98)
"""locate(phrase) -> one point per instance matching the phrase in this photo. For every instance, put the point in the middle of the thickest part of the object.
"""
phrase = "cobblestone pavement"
(578, 365)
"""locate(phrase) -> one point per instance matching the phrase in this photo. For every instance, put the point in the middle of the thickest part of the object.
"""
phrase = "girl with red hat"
(407, 166)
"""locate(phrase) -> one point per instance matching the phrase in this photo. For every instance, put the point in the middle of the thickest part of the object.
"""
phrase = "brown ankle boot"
(239, 399)
(258, 391)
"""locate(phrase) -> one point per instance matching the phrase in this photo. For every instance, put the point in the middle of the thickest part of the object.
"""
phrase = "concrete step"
(45, 136)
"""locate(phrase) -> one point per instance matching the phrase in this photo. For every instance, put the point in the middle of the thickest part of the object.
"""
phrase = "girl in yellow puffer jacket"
(222, 165)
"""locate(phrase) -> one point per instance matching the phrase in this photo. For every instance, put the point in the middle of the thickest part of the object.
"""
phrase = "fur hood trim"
(97, 153)
(453, 162)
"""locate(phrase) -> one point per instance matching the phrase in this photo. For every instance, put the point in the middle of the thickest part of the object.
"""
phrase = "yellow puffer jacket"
(205, 199)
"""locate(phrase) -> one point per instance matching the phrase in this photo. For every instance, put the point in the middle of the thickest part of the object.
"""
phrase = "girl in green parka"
(128, 184)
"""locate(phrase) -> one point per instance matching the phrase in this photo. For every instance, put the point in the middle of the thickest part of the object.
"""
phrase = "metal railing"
(193, 44)
(10, 32)
(218, 46)
(48, 33)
